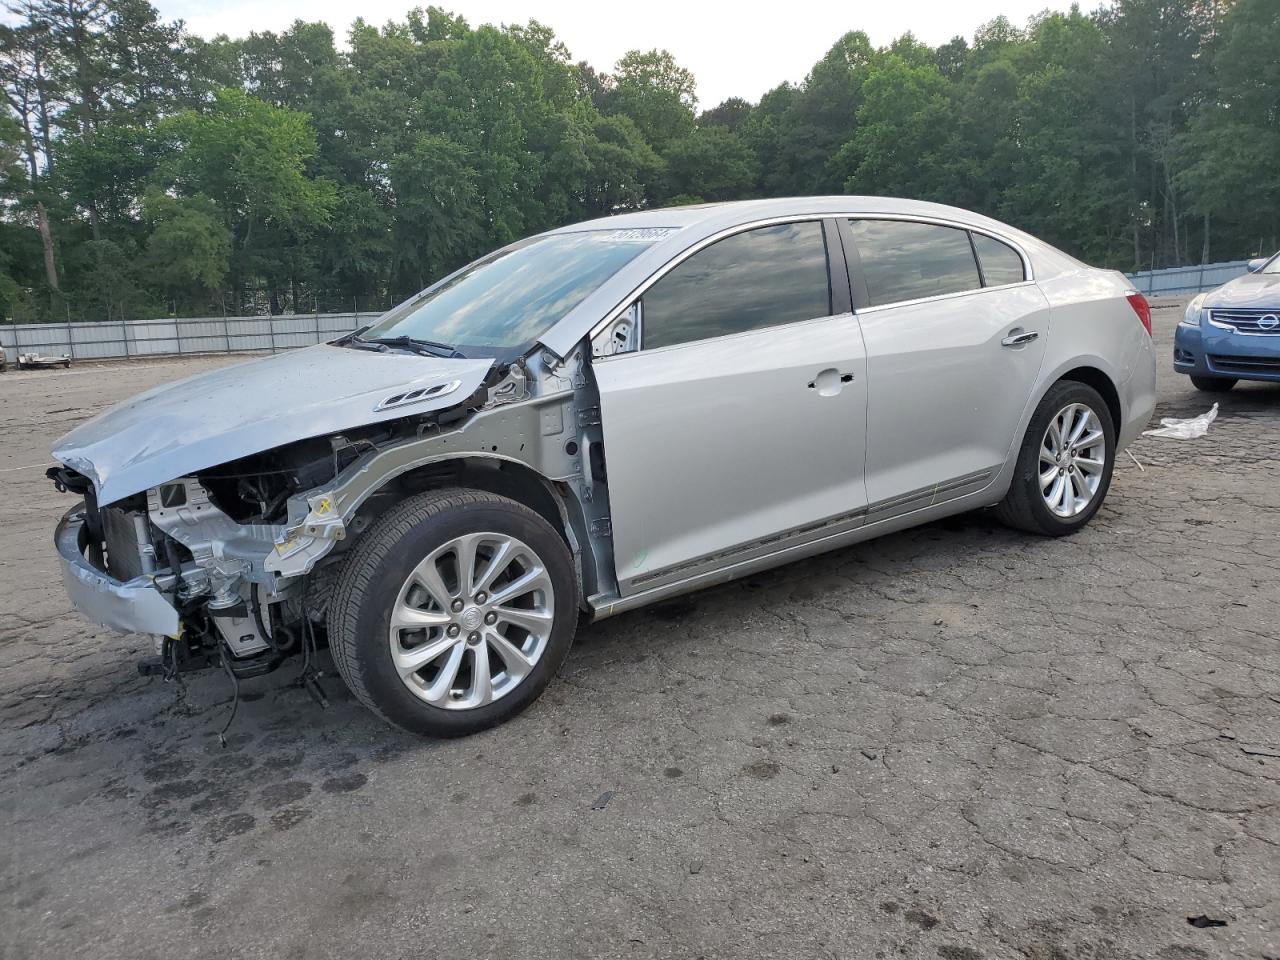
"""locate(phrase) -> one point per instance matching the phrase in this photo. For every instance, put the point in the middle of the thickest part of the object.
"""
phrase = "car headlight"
(1192, 317)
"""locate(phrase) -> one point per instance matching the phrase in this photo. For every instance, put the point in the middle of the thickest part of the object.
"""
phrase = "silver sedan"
(594, 419)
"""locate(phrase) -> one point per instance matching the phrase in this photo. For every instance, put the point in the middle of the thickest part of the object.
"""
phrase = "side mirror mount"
(620, 336)
(1257, 264)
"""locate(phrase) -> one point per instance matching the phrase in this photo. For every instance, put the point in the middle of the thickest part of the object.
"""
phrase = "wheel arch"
(506, 477)
(1098, 380)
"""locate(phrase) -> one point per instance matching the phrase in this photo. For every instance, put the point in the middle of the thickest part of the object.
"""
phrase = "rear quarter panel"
(1095, 326)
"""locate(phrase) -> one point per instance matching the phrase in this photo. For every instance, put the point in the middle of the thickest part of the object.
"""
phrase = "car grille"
(1248, 321)
(1246, 364)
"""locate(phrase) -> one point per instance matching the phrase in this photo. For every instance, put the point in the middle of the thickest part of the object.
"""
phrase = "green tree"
(711, 163)
(732, 114)
(251, 159)
(439, 221)
(141, 166)
(797, 132)
(658, 94)
(1228, 154)
(622, 165)
(903, 123)
(188, 252)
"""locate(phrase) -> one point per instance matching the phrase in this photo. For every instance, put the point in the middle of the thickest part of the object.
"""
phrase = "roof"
(728, 214)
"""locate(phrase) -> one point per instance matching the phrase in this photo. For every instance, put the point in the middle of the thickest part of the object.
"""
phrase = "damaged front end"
(233, 564)
(185, 561)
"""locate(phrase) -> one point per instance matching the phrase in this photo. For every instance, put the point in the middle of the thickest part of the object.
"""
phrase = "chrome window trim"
(1028, 271)
(705, 242)
(864, 311)
(737, 334)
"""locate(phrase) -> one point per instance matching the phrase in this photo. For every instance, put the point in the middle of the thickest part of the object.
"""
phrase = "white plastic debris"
(1184, 429)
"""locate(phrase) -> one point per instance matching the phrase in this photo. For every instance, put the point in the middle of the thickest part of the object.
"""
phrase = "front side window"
(901, 260)
(759, 278)
(502, 303)
(1001, 263)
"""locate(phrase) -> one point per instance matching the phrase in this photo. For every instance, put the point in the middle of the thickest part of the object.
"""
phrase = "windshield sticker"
(641, 234)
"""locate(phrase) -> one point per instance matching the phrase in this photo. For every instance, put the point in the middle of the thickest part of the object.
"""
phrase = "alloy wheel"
(1073, 457)
(472, 620)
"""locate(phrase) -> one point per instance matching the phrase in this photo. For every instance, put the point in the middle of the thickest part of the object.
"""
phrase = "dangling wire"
(309, 677)
(235, 695)
(172, 670)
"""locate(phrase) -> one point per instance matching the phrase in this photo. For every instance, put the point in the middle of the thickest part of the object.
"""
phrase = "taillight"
(1141, 308)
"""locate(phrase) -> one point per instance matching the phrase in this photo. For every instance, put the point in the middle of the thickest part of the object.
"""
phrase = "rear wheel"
(1214, 384)
(454, 612)
(1064, 465)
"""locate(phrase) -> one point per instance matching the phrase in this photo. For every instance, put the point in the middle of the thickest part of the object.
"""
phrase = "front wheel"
(1214, 384)
(454, 612)
(1064, 465)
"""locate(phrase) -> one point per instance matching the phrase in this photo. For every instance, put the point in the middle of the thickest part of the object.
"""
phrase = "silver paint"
(225, 414)
(133, 606)
(725, 456)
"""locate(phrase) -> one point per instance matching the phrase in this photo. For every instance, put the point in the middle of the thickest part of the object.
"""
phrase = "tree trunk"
(1133, 181)
(42, 111)
(33, 162)
(46, 238)
(1204, 251)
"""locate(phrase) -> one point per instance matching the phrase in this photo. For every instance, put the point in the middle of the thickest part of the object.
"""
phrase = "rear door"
(955, 333)
(737, 428)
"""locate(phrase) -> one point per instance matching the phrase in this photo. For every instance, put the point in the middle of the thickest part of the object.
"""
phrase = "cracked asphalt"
(957, 742)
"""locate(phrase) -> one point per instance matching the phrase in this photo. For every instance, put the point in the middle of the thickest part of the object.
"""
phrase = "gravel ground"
(957, 742)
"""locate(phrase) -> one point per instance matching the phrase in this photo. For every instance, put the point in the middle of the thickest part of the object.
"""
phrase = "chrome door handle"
(1018, 339)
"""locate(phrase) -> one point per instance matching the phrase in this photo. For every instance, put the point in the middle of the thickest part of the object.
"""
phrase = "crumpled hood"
(1260, 290)
(211, 418)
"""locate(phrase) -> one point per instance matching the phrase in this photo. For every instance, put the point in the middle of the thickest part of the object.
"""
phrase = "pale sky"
(738, 49)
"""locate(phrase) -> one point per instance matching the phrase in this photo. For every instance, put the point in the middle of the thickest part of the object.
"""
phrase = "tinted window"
(760, 278)
(508, 299)
(1000, 262)
(906, 261)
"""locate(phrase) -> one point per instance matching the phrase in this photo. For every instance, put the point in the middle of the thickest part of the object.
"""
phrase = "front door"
(738, 426)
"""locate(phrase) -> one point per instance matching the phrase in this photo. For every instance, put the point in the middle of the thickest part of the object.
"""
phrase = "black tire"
(1024, 507)
(370, 581)
(1214, 384)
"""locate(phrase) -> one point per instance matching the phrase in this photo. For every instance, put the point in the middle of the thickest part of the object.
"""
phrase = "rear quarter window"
(1001, 263)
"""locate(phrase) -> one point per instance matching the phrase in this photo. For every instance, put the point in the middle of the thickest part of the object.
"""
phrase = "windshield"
(1272, 266)
(502, 303)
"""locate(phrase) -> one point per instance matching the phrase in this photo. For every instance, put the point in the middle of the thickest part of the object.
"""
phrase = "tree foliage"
(144, 170)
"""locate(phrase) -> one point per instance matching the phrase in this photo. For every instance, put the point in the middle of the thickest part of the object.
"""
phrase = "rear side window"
(902, 260)
(759, 278)
(1001, 263)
